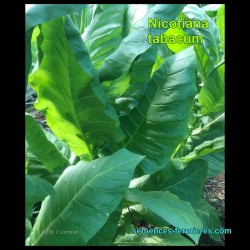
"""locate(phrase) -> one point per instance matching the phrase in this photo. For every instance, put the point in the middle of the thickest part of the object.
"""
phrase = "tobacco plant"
(134, 129)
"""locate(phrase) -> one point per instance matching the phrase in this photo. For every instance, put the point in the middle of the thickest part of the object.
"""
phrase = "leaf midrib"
(61, 212)
(183, 180)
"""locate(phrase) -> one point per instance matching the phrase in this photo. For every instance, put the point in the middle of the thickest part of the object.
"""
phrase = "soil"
(214, 193)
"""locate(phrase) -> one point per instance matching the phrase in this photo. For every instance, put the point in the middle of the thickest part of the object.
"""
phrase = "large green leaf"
(62, 147)
(212, 94)
(163, 53)
(106, 235)
(209, 217)
(176, 47)
(153, 182)
(133, 84)
(204, 63)
(38, 13)
(216, 163)
(168, 206)
(86, 195)
(133, 15)
(69, 92)
(210, 35)
(36, 189)
(36, 168)
(136, 42)
(41, 147)
(104, 34)
(152, 240)
(158, 123)
(188, 184)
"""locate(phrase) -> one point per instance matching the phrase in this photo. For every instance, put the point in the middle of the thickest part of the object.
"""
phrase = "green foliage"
(36, 189)
(134, 129)
(86, 194)
(42, 147)
(169, 207)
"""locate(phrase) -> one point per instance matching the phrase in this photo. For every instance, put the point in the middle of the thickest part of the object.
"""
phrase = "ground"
(214, 193)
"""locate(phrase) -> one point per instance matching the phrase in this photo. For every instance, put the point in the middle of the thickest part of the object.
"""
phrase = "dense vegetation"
(135, 128)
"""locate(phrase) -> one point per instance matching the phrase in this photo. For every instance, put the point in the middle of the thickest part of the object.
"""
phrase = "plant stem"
(216, 67)
(131, 217)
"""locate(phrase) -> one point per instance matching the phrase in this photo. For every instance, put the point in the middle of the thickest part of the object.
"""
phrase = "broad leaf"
(133, 83)
(188, 184)
(210, 35)
(209, 217)
(152, 240)
(69, 91)
(36, 168)
(36, 189)
(136, 42)
(62, 147)
(168, 206)
(38, 13)
(86, 195)
(153, 182)
(104, 34)
(212, 94)
(176, 47)
(163, 53)
(158, 123)
(41, 147)
(106, 235)
(216, 163)
(204, 63)
(35, 33)
(134, 14)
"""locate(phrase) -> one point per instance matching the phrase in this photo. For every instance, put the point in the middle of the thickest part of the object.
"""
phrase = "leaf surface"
(86, 195)
(209, 217)
(69, 91)
(168, 206)
(41, 147)
(36, 189)
(211, 39)
(188, 184)
(158, 123)
(136, 42)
